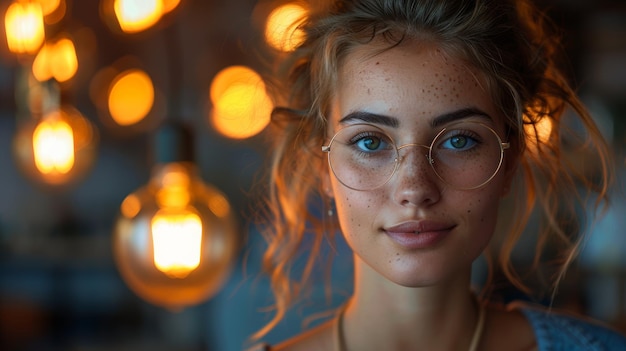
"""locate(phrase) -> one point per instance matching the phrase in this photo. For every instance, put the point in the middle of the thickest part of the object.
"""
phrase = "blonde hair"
(508, 41)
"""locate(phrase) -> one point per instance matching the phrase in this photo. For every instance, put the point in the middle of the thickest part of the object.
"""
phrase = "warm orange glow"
(281, 28)
(538, 133)
(176, 228)
(53, 10)
(49, 6)
(24, 27)
(241, 107)
(41, 64)
(229, 76)
(137, 15)
(66, 62)
(169, 5)
(53, 146)
(177, 241)
(57, 60)
(219, 205)
(131, 97)
(130, 206)
(170, 244)
(242, 111)
(175, 191)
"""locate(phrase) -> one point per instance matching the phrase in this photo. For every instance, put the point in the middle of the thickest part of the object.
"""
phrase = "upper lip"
(419, 227)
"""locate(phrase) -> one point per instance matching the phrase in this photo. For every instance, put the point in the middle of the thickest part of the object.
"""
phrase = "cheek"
(481, 214)
(357, 211)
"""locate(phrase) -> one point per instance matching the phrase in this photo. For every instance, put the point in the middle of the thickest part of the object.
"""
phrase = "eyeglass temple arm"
(326, 148)
(504, 146)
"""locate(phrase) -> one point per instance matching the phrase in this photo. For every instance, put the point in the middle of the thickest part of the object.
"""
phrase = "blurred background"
(119, 116)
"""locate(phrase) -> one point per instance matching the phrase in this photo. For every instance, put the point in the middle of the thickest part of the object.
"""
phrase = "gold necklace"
(478, 330)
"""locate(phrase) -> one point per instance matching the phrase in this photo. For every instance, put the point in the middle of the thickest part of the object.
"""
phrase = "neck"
(389, 316)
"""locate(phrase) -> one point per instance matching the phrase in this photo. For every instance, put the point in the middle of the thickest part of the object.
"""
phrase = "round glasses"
(464, 155)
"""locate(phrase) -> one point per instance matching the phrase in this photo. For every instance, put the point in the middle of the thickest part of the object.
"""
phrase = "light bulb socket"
(173, 142)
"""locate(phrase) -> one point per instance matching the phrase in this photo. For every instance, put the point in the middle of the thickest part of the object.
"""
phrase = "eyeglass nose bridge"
(429, 158)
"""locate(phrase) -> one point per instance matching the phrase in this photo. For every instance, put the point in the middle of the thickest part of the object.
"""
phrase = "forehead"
(412, 80)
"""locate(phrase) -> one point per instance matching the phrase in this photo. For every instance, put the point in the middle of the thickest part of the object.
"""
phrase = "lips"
(419, 234)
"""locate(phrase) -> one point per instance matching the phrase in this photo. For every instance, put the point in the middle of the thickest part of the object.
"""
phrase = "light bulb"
(56, 149)
(24, 27)
(175, 239)
(137, 15)
(53, 145)
(56, 60)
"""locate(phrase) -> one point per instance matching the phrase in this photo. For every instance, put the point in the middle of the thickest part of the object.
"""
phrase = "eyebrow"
(375, 118)
(458, 115)
(369, 117)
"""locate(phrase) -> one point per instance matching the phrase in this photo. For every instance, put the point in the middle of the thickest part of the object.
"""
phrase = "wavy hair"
(516, 49)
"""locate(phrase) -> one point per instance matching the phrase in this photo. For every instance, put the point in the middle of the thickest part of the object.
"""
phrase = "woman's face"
(415, 230)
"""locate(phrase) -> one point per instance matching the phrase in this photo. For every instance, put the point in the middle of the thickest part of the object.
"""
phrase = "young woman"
(412, 120)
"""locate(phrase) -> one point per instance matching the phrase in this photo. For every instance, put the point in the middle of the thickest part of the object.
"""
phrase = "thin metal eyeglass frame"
(397, 160)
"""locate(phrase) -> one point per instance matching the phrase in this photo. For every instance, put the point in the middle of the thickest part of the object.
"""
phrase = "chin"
(415, 275)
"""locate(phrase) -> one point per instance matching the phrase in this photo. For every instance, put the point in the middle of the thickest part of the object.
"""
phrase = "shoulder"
(557, 330)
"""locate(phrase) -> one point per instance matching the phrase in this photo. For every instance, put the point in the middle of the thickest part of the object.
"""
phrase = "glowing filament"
(137, 15)
(177, 238)
(53, 147)
(24, 27)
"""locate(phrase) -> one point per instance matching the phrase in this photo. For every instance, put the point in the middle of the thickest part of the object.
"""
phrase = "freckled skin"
(414, 83)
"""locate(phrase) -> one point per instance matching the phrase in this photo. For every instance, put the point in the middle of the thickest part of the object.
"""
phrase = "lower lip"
(419, 241)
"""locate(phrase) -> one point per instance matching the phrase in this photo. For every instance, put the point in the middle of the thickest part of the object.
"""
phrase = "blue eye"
(459, 142)
(369, 143)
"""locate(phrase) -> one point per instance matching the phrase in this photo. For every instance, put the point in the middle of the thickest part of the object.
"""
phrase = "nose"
(415, 182)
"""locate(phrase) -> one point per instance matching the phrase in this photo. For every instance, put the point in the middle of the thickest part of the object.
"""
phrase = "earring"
(331, 205)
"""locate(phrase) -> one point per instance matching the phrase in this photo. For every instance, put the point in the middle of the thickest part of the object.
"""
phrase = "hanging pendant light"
(54, 143)
(24, 27)
(176, 238)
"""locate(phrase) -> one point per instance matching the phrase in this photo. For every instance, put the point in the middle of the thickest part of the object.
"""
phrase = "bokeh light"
(137, 15)
(58, 149)
(49, 6)
(24, 27)
(170, 5)
(241, 106)
(281, 29)
(56, 60)
(131, 97)
(538, 133)
(53, 10)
